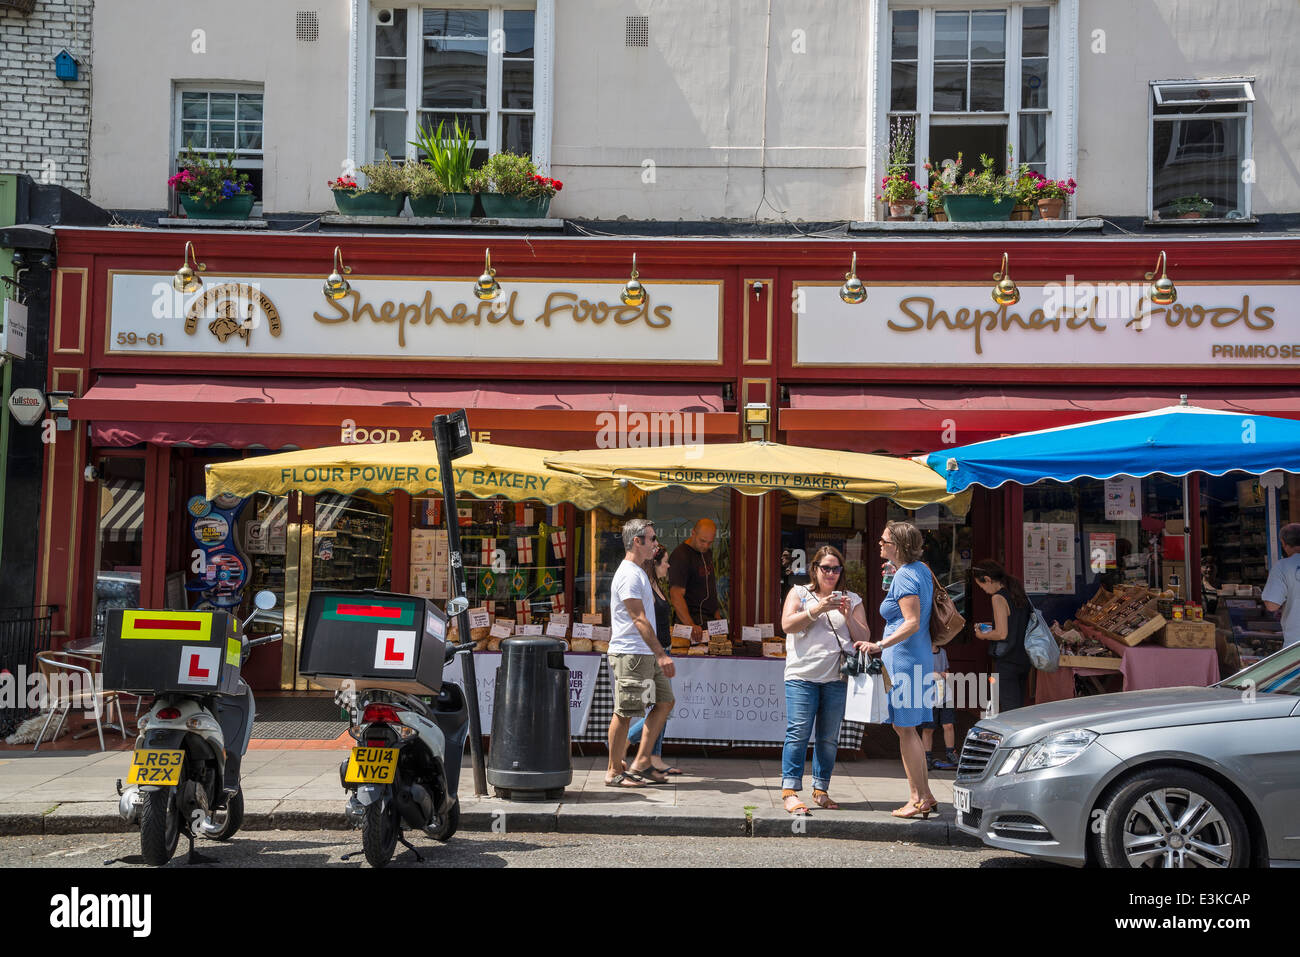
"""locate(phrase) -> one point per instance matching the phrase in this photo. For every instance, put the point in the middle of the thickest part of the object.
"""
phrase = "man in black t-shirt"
(693, 584)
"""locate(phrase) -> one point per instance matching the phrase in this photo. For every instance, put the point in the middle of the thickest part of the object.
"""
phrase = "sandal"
(916, 809)
(823, 800)
(619, 781)
(670, 771)
(651, 774)
(798, 807)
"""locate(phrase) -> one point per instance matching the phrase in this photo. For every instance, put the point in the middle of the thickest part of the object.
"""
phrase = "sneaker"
(949, 762)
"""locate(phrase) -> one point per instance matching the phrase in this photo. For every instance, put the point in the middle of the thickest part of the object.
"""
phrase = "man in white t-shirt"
(639, 666)
(1282, 590)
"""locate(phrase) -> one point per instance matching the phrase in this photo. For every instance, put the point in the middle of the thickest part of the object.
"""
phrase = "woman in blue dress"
(908, 656)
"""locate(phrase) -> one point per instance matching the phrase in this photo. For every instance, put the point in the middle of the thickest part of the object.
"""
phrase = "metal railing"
(24, 632)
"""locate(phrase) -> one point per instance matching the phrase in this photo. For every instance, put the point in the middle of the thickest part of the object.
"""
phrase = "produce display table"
(1148, 666)
(1058, 685)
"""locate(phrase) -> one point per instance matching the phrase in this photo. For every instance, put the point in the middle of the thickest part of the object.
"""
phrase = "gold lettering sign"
(233, 309)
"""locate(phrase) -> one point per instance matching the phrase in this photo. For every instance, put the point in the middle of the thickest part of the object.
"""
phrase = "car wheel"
(1171, 817)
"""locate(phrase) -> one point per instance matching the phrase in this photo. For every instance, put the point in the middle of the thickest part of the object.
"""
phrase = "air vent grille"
(308, 26)
(638, 32)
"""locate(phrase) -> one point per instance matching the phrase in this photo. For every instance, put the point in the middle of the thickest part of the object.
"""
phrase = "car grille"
(976, 752)
(1021, 827)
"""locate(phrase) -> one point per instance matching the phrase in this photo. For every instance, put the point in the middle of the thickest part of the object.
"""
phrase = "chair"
(72, 685)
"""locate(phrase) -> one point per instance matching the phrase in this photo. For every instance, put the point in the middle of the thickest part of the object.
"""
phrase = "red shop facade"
(258, 360)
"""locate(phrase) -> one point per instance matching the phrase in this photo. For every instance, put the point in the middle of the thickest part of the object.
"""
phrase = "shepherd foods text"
(351, 308)
(76, 910)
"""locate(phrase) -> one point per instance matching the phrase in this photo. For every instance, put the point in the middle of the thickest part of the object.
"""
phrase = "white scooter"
(185, 771)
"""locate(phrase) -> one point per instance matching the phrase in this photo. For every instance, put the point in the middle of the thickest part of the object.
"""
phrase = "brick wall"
(44, 121)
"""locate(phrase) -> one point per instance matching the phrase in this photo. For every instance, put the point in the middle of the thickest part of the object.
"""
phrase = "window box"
(498, 206)
(236, 207)
(368, 204)
(978, 209)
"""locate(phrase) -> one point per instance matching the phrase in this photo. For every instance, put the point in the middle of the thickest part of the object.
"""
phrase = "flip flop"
(618, 781)
(670, 771)
(649, 774)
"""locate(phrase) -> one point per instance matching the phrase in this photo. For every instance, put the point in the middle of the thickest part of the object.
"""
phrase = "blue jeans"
(634, 735)
(806, 702)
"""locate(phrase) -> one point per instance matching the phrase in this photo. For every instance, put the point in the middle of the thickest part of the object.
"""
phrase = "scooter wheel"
(451, 824)
(160, 827)
(379, 833)
(232, 818)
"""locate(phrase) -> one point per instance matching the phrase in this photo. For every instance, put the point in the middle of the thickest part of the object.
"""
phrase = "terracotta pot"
(939, 217)
(1050, 208)
(1191, 215)
(899, 212)
(1022, 212)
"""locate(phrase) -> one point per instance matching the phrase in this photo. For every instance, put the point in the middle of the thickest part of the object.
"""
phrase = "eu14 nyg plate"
(371, 766)
(152, 766)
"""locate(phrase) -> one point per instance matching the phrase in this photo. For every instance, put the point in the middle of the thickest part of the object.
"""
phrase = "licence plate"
(371, 766)
(153, 766)
(961, 799)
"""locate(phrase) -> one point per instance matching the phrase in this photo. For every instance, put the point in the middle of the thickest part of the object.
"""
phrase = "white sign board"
(27, 405)
(13, 339)
(255, 316)
(583, 670)
(1111, 324)
(728, 699)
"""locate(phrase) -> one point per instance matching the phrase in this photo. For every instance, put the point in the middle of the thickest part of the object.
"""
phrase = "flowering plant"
(1191, 204)
(346, 183)
(1040, 187)
(897, 189)
(942, 182)
(513, 175)
(986, 182)
(208, 179)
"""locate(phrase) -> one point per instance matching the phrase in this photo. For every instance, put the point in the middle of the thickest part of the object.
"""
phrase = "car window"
(1276, 674)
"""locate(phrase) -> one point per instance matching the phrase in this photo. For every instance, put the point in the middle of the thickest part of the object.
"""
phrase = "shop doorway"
(119, 536)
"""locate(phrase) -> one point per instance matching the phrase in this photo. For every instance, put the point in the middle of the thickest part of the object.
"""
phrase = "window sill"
(186, 223)
(439, 222)
(1203, 221)
(993, 226)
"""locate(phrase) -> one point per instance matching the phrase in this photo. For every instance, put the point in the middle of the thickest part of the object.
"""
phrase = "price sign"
(719, 627)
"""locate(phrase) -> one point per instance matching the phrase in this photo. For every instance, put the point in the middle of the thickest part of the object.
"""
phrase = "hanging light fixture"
(336, 287)
(487, 288)
(1005, 292)
(1162, 291)
(853, 291)
(187, 279)
(634, 294)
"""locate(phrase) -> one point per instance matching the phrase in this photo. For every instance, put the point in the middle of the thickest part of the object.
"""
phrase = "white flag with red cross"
(489, 546)
(560, 539)
(523, 611)
(557, 603)
(525, 546)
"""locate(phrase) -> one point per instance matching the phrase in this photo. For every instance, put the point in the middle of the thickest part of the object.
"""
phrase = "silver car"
(1179, 777)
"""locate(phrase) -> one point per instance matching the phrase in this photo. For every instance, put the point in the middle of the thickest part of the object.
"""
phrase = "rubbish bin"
(529, 754)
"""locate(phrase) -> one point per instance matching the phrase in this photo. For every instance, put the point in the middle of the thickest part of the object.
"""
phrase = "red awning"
(306, 413)
(907, 420)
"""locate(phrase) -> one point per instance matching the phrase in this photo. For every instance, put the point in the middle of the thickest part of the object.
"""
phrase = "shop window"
(475, 65)
(225, 121)
(1200, 149)
(352, 542)
(514, 555)
(976, 81)
(119, 546)
(947, 545)
(264, 539)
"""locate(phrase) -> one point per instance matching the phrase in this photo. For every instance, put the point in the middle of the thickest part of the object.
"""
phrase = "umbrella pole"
(758, 564)
(1187, 542)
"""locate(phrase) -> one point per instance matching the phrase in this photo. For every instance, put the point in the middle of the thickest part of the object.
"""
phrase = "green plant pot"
(236, 207)
(498, 206)
(368, 204)
(977, 209)
(426, 207)
(455, 205)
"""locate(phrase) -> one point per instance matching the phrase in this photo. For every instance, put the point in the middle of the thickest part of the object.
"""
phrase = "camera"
(860, 664)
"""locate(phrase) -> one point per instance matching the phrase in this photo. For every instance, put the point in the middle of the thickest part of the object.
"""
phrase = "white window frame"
(244, 162)
(1063, 85)
(1246, 101)
(361, 82)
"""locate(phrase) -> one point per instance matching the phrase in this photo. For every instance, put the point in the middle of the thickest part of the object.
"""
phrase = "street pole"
(449, 431)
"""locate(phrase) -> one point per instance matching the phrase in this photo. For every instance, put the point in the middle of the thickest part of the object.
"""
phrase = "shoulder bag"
(946, 623)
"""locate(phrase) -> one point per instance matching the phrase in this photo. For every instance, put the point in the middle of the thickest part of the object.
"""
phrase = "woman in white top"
(821, 625)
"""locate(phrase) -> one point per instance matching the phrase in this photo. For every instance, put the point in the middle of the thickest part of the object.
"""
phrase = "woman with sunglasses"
(821, 625)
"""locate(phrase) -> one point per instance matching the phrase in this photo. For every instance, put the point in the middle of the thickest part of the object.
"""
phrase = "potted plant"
(451, 158)
(511, 187)
(899, 193)
(1023, 180)
(1050, 194)
(941, 183)
(1194, 206)
(210, 188)
(424, 188)
(383, 195)
(981, 196)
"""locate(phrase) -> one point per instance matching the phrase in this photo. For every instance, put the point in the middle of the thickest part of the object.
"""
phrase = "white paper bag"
(867, 701)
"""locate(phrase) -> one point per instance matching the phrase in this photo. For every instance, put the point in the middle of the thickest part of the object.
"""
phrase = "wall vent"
(637, 33)
(308, 26)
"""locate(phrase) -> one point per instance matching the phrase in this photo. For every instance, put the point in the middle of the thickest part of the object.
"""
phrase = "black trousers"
(1011, 685)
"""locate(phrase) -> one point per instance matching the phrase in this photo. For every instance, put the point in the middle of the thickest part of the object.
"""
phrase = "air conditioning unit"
(22, 6)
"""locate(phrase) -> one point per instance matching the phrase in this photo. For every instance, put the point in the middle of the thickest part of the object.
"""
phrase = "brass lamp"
(187, 279)
(634, 294)
(336, 287)
(1162, 291)
(853, 291)
(1005, 292)
(487, 287)
(757, 417)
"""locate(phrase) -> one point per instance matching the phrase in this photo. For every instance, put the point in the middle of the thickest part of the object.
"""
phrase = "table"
(1058, 685)
(1143, 668)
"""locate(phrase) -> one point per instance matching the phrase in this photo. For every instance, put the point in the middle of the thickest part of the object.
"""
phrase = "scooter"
(185, 770)
(405, 769)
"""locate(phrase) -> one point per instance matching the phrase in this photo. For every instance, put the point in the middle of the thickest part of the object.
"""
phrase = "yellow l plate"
(149, 766)
(371, 766)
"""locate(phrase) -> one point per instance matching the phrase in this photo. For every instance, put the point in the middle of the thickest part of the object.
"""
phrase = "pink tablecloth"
(1058, 685)
(1154, 666)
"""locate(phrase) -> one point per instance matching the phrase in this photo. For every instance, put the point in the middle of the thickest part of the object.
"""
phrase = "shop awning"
(121, 511)
(491, 469)
(909, 419)
(297, 413)
(1173, 441)
(755, 468)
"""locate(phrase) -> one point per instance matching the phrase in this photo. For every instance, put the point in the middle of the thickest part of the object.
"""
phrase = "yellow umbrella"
(754, 468)
(515, 472)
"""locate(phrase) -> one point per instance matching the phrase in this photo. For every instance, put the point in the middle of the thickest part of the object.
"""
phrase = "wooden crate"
(1187, 634)
(1142, 632)
(1103, 662)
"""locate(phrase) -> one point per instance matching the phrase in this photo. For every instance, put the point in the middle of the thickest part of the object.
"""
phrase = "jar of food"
(1178, 611)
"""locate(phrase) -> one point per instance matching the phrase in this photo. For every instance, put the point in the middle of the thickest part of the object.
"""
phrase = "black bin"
(529, 754)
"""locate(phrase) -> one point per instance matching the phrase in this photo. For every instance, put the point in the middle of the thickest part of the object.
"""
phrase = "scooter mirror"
(264, 600)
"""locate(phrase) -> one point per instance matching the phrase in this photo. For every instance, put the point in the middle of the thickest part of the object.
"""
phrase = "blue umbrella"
(1174, 441)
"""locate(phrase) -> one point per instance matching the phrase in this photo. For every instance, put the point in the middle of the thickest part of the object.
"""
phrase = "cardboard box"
(1103, 662)
(190, 652)
(1187, 634)
(377, 639)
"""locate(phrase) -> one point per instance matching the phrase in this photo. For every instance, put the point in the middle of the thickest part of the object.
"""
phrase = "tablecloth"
(1154, 666)
(1058, 685)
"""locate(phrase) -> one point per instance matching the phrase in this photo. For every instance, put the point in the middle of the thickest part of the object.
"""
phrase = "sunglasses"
(831, 569)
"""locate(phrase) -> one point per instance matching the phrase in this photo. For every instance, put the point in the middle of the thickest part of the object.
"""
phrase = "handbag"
(946, 623)
(867, 700)
(1040, 644)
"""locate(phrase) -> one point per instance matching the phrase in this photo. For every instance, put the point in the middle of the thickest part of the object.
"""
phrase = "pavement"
(61, 792)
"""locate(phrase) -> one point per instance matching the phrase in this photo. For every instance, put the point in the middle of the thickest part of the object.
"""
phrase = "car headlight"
(1056, 750)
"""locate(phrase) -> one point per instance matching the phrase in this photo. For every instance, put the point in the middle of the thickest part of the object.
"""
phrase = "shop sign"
(532, 320)
(1211, 324)
(27, 405)
(13, 338)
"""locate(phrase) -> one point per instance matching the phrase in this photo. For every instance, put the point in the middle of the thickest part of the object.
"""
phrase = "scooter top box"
(375, 639)
(195, 652)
